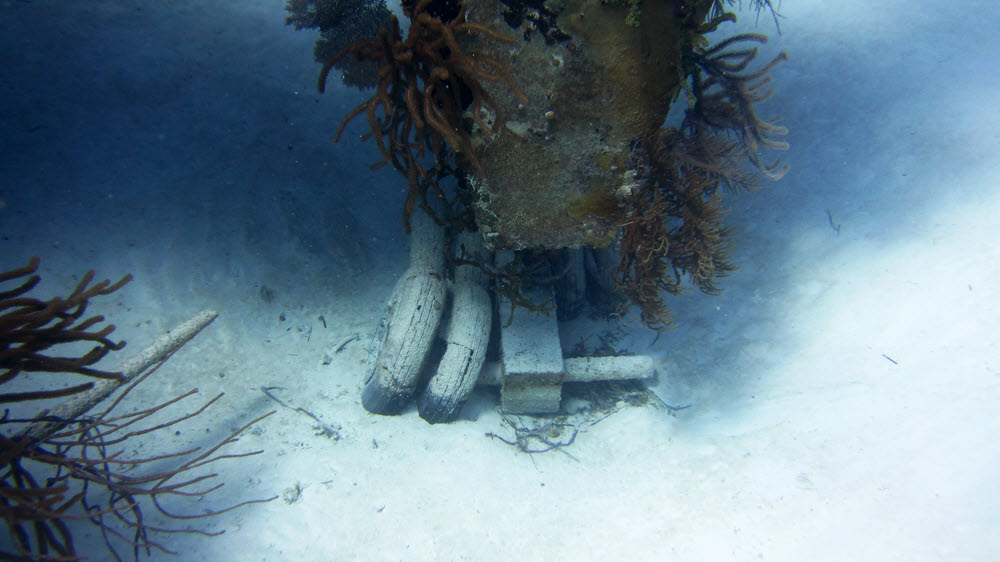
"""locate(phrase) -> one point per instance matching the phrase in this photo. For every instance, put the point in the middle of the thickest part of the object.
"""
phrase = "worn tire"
(412, 317)
(466, 337)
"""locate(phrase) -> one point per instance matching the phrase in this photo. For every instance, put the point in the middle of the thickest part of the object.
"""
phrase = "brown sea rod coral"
(76, 460)
(426, 82)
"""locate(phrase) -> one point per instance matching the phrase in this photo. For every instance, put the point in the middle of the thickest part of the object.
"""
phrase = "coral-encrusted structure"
(424, 82)
(587, 161)
(550, 115)
(552, 176)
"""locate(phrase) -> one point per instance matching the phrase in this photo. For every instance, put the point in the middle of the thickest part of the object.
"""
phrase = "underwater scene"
(312, 280)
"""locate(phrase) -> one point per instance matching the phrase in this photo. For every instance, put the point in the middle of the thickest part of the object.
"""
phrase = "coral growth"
(725, 97)
(30, 327)
(426, 82)
(64, 465)
(719, 8)
(673, 222)
(340, 23)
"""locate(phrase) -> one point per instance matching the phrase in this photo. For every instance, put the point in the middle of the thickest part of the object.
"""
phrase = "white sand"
(843, 389)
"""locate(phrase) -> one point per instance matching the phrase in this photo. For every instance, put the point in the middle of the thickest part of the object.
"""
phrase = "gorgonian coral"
(426, 82)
